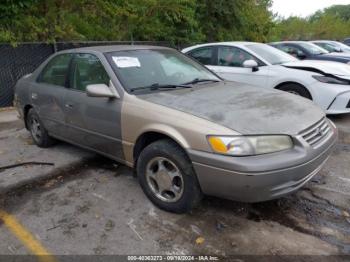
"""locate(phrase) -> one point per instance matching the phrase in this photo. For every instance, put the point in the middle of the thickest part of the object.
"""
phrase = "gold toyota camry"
(185, 131)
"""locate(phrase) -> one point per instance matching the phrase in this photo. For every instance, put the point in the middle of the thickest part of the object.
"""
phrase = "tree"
(225, 20)
(330, 23)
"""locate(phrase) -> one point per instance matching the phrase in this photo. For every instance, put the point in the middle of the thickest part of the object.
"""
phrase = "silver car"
(184, 130)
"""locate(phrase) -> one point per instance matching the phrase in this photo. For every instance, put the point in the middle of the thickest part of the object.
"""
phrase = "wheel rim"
(35, 128)
(164, 179)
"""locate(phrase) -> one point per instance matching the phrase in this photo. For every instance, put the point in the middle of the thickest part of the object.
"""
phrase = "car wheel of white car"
(167, 177)
(296, 90)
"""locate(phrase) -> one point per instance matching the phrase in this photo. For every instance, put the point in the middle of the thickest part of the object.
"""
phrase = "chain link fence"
(23, 59)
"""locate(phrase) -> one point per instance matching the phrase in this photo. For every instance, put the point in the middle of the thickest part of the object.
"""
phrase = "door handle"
(34, 96)
(68, 105)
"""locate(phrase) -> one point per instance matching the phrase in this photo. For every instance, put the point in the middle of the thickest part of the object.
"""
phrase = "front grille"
(317, 132)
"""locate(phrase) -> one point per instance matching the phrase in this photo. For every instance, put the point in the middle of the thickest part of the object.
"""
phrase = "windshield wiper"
(157, 86)
(199, 80)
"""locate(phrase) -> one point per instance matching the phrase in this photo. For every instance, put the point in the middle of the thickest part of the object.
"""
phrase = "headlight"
(331, 80)
(249, 145)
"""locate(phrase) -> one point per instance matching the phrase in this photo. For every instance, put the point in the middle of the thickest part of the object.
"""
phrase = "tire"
(296, 89)
(37, 130)
(154, 165)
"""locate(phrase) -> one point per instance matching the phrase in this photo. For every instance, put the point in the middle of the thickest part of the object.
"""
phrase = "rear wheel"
(167, 177)
(38, 132)
(296, 90)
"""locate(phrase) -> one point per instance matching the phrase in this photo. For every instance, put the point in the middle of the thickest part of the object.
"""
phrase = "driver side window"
(294, 51)
(233, 56)
(87, 70)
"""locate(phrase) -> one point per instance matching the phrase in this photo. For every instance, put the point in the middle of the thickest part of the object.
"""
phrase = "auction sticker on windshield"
(125, 61)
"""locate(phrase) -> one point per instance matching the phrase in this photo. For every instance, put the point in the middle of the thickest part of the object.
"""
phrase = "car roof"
(233, 43)
(323, 41)
(241, 44)
(288, 42)
(114, 48)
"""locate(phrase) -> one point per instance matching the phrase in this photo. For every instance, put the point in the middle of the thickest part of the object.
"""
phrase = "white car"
(326, 83)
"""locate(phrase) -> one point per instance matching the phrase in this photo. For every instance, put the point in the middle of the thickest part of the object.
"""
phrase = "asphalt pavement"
(88, 205)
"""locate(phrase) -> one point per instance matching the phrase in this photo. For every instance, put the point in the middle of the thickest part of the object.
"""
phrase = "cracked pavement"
(97, 207)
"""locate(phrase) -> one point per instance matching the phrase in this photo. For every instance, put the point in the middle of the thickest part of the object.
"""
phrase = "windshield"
(313, 49)
(328, 46)
(161, 67)
(271, 54)
(342, 46)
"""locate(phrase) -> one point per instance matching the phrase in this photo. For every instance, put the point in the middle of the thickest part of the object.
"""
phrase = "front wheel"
(167, 177)
(296, 90)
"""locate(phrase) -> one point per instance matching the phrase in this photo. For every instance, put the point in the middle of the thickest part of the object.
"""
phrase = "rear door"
(93, 122)
(48, 93)
(229, 66)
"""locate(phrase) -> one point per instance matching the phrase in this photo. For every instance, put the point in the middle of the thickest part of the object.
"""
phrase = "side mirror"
(251, 64)
(338, 49)
(100, 90)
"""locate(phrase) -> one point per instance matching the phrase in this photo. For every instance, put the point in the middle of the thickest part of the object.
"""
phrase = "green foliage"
(176, 21)
(330, 23)
(225, 20)
(179, 22)
(340, 11)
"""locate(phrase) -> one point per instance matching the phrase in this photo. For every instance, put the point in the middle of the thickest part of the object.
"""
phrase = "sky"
(303, 8)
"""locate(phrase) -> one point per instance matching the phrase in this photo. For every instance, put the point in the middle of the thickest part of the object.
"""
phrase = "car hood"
(323, 67)
(243, 108)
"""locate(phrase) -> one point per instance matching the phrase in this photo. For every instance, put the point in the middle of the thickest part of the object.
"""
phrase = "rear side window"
(292, 50)
(203, 55)
(282, 48)
(56, 70)
(87, 70)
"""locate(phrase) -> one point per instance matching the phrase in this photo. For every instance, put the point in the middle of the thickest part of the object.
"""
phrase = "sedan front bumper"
(260, 178)
(340, 104)
(332, 98)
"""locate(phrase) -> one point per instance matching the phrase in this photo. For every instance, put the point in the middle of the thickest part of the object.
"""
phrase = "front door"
(229, 66)
(93, 122)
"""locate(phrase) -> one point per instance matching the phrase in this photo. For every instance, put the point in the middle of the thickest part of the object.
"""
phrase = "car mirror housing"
(251, 64)
(100, 90)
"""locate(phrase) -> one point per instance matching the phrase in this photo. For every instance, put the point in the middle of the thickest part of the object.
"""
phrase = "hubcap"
(164, 179)
(35, 128)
